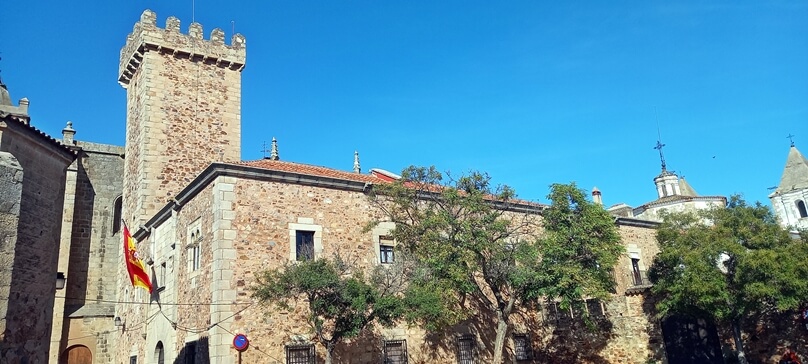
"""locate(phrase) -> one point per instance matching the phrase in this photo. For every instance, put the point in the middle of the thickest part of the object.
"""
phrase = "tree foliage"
(580, 248)
(729, 263)
(341, 303)
(475, 243)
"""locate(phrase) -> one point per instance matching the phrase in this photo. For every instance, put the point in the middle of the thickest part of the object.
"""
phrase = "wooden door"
(78, 355)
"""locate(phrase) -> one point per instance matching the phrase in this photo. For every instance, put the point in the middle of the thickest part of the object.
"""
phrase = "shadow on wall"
(768, 335)
(365, 348)
(195, 352)
(568, 339)
(81, 236)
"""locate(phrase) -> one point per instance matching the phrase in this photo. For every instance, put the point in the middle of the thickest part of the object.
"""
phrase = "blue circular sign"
(240, 342)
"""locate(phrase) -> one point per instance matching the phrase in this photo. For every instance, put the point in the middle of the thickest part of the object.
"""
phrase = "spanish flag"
(137, 272)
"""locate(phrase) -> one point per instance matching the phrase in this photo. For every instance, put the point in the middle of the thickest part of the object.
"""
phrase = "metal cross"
(658, 147)
(791, 138)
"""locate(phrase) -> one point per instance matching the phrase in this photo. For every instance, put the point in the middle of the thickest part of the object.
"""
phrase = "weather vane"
(791, 138)
(264, 149)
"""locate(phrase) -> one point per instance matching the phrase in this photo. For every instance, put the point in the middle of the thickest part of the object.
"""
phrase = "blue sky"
(531, 92)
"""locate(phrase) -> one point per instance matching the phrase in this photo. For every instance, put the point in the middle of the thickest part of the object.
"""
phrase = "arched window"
(159, 353)
(801, 208)
(116, 215)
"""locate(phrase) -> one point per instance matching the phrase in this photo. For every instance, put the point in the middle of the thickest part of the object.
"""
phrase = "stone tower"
(183, 98)
(790, 199)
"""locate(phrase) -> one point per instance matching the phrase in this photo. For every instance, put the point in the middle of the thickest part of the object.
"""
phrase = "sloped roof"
(311, 170)
(795, 174)
(685, 189)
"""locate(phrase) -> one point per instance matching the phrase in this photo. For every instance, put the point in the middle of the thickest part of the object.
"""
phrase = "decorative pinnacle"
(791, 138)
(356, 167)
(659, 146)
(274, 154)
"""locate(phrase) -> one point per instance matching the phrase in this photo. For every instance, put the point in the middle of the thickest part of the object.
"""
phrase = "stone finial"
(238, 41)
(274, 154)
(356, 167)
(67, 133)
(195, 30)
(217, 36)
(596, 196)
(24, 104)
(173, 24)
(148, 17)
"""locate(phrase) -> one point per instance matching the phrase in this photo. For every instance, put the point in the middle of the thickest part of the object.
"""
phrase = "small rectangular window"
(521, 347)
(395, 352)
(386, 255)
(465, 349)
(161, 276)
(304, 245)
(133, 359)
(300, 354)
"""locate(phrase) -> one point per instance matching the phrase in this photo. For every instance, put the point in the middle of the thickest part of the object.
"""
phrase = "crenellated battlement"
(148, 37)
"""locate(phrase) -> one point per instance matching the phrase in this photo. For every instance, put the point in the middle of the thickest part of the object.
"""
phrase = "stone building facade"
(236, 220)
(32, 186)
(207, 222)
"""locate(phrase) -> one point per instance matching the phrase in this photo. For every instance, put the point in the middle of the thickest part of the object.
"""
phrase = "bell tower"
(183, 109)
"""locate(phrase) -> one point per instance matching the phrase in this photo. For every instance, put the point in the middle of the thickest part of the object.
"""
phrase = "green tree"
(729, 263)
(341, 304)
(579, 249)
(471, 239)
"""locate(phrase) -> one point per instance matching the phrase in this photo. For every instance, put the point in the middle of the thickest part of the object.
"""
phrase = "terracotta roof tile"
(307, 169)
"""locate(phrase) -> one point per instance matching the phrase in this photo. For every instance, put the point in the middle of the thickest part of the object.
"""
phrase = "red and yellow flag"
(137, 272)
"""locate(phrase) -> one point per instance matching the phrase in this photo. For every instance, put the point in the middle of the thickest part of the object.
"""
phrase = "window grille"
(395, 352)
(595, 308)
(521, 347)
(638, 277)
(304, 245)
(300, 354)
(465, 349)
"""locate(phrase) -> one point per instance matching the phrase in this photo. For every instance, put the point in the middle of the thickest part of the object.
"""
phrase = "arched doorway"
(78, 354)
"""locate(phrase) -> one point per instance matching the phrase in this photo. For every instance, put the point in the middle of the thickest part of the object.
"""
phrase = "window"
(195, 250)
(159, 353)
(636, 273)
(386, 254)
(133, 359)
(305, 239)
(521, 347)
(304, 245)
(801, 208)
(595, 308)
(161, 277)
(465, 349)
(116, 215)
(300, 354)
(395, 351)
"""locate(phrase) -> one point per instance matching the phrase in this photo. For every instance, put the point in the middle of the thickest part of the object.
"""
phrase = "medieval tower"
(183, 97)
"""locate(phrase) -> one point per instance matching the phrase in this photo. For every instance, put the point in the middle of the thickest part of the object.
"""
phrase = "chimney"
(596, 196)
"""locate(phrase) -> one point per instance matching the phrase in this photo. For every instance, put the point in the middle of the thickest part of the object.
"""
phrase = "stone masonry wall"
(183, 109)
(94, 247)
(264, 213)
(26, 327)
